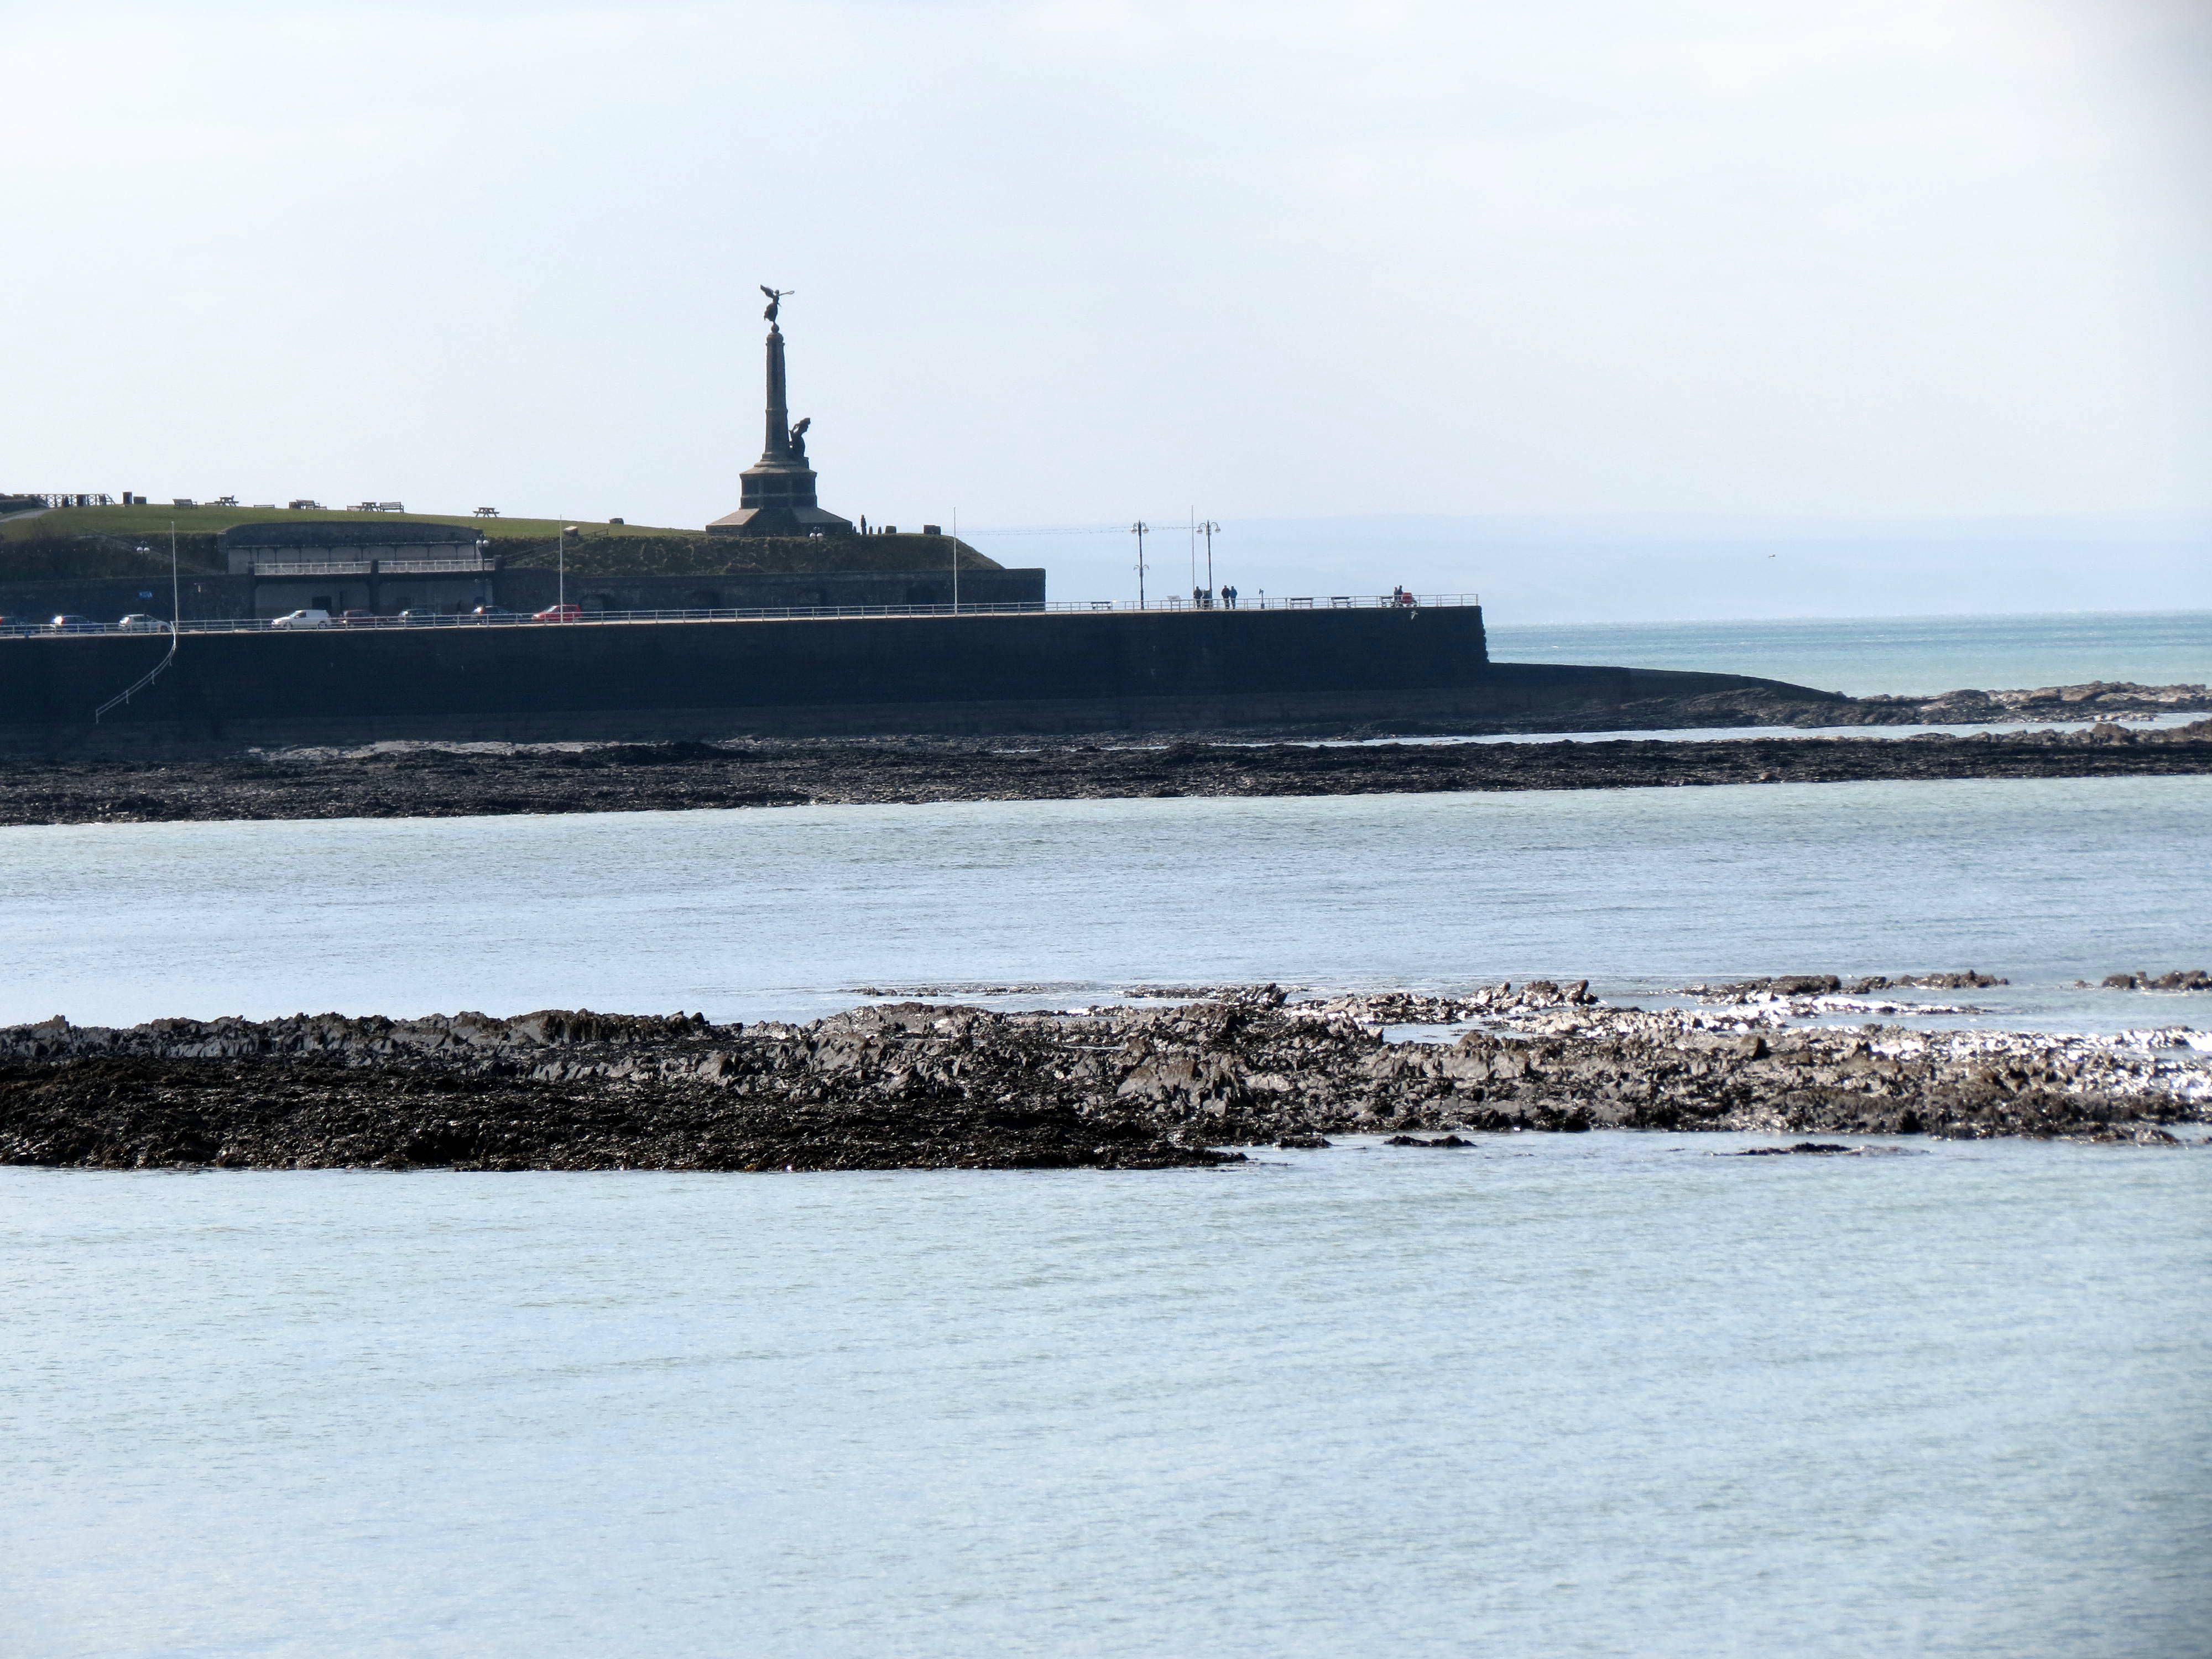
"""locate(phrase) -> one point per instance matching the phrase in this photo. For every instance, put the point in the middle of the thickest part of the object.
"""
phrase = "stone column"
(778, 449)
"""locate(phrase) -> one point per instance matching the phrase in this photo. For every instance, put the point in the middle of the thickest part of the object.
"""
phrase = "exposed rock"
(2184, 979)
(1805, 994)
(433, 780)
(1423, 1008)
(1781, 985)
(915, 1085)
(1967, 981)
(1802, 1149)
(2051, 703)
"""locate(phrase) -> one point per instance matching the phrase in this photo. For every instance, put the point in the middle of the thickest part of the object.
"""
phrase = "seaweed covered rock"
(915, 1083)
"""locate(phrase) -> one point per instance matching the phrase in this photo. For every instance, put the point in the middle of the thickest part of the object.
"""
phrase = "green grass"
(156, 520)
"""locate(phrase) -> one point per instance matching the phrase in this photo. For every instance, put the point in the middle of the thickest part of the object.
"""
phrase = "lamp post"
(1207, 529)
(561, 569)
(1138, 530)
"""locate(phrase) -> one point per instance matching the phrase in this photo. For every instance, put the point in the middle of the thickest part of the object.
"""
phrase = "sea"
(1612, 1393)
(1901, 656)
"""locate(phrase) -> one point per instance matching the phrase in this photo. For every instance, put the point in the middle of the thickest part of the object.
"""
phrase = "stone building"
(381, 565)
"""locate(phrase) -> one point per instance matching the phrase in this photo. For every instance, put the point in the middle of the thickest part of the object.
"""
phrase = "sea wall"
(1022, 672)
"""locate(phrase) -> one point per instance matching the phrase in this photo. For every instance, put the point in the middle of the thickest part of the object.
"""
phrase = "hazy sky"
(1073, 262)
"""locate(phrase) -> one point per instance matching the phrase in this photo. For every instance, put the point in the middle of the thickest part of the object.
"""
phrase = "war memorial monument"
(779, 487)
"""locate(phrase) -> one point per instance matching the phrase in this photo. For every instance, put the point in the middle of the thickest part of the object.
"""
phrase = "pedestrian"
(1228, 596)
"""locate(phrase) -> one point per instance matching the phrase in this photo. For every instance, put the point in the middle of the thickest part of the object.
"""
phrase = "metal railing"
(473, 565)
(765, 613)
(478, 565)
(139, 685)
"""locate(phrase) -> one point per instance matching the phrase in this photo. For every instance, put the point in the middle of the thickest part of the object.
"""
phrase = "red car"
(559, 613)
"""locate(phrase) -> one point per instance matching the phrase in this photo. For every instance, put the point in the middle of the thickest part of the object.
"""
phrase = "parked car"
(139, 622)
(72, 625)
(303, 619)
(493, 613)
(418, 616)
(354, 619)
(558, 613)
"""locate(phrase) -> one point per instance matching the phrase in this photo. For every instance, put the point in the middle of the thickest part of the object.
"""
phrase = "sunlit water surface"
(1899, 655)
(1601, 1394)
(785, 912)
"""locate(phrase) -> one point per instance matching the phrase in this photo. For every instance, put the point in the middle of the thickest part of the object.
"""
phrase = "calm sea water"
(1606, 1395)
(781, 912)
(1900, 656)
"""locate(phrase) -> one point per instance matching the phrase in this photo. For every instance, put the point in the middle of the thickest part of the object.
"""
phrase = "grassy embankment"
(84, 541)
(156, 518)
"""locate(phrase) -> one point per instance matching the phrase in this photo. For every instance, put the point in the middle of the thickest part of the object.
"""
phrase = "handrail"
(141, 683)
(791, 613)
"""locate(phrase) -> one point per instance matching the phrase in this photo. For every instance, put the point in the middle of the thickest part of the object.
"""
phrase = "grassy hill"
(143, 522)
(87, 542)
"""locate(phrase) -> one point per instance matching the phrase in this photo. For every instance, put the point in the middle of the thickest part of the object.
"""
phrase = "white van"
(303, 619)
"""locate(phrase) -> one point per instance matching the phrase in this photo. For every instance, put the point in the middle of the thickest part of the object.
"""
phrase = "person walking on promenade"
(1228, 597)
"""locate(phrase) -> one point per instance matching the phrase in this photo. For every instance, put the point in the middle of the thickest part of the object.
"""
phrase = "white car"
(303, 619)
(139, 622)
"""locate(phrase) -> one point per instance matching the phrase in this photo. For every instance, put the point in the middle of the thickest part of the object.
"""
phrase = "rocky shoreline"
(441, 780)
(2091, 701)
(910, 1084)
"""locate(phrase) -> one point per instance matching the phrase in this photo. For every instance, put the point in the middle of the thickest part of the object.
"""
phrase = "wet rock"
(1802, 1149)
(433, 780)
(917, 1083)
(1781, 985)
(1415, 1140)
(2182, 979)
(1969, 979)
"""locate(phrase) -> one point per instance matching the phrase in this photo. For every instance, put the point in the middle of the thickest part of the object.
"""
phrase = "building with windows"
(381, 565)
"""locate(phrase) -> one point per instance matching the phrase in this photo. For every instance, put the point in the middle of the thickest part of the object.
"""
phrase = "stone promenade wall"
(1036, 672)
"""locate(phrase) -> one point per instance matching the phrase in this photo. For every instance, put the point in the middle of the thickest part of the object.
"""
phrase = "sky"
(1378, 286)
